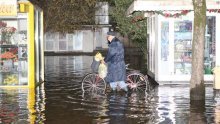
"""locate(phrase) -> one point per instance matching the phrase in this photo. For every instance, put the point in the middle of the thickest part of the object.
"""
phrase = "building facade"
(94, 37)
(170, 33)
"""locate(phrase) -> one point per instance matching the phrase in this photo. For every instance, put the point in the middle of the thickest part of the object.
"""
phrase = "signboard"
(8, 8)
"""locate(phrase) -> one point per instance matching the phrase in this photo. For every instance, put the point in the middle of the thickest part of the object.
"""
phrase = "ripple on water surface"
(61, 100)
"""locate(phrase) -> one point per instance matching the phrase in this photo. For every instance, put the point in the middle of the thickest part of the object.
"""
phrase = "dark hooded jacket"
(115, 61)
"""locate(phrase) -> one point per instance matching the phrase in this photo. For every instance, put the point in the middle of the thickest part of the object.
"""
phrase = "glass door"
(182, 47)
(165, 43)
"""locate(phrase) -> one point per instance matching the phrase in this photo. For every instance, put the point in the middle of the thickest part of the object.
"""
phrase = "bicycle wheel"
(93, 83)
(137, 82)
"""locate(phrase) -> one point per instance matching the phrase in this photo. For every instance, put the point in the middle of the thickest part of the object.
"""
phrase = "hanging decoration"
(175, 15)
(168, 15)
(182, 13)
(214, 10)
(137, 18)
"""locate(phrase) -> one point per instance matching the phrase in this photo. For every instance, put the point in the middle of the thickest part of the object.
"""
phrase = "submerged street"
(47, 48)
(60, 100)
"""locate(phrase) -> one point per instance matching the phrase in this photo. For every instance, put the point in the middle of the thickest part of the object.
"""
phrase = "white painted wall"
(80, 41)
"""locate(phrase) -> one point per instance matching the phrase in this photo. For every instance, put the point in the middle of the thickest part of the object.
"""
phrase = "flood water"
(60, 100)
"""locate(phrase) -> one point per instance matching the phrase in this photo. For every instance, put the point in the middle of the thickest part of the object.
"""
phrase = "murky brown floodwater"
(60, 101)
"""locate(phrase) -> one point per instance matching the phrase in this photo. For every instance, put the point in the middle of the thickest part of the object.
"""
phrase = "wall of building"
(173, 47)
(79, 41)
(82, 40)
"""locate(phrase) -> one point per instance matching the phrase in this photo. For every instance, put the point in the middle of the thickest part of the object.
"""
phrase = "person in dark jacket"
(116, 75)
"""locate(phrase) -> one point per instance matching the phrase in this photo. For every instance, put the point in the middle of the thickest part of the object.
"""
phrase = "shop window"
(13, 52)
(164, 41)
(182, 47)
(209, 56)
(164, 47)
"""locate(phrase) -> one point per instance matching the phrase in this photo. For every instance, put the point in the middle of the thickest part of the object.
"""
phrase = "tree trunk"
(197, 87)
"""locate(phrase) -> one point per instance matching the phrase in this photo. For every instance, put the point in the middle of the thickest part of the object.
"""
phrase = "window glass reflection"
(182, 47)
(209, 56)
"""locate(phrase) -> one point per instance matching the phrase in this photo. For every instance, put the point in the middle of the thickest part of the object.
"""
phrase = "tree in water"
(197, 86)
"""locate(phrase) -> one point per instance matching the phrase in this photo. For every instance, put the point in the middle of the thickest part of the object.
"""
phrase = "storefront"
(21, 44)
(170, 33)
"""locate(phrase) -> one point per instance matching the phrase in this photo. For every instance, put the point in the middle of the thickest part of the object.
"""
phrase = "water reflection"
(61, 100)
(165, 104)
(19, 106)
(197, 110)
(217, 106)
(120, 107)
(97, 106)
(10, 106)
(30, 105)
(39, 105)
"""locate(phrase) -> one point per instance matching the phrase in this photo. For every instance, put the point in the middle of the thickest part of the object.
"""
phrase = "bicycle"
(136, 81)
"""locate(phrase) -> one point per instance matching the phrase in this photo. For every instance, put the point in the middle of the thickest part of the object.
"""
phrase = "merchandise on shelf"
(11, 80)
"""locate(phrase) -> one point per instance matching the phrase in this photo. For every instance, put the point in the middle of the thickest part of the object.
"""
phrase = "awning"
(168, 5)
